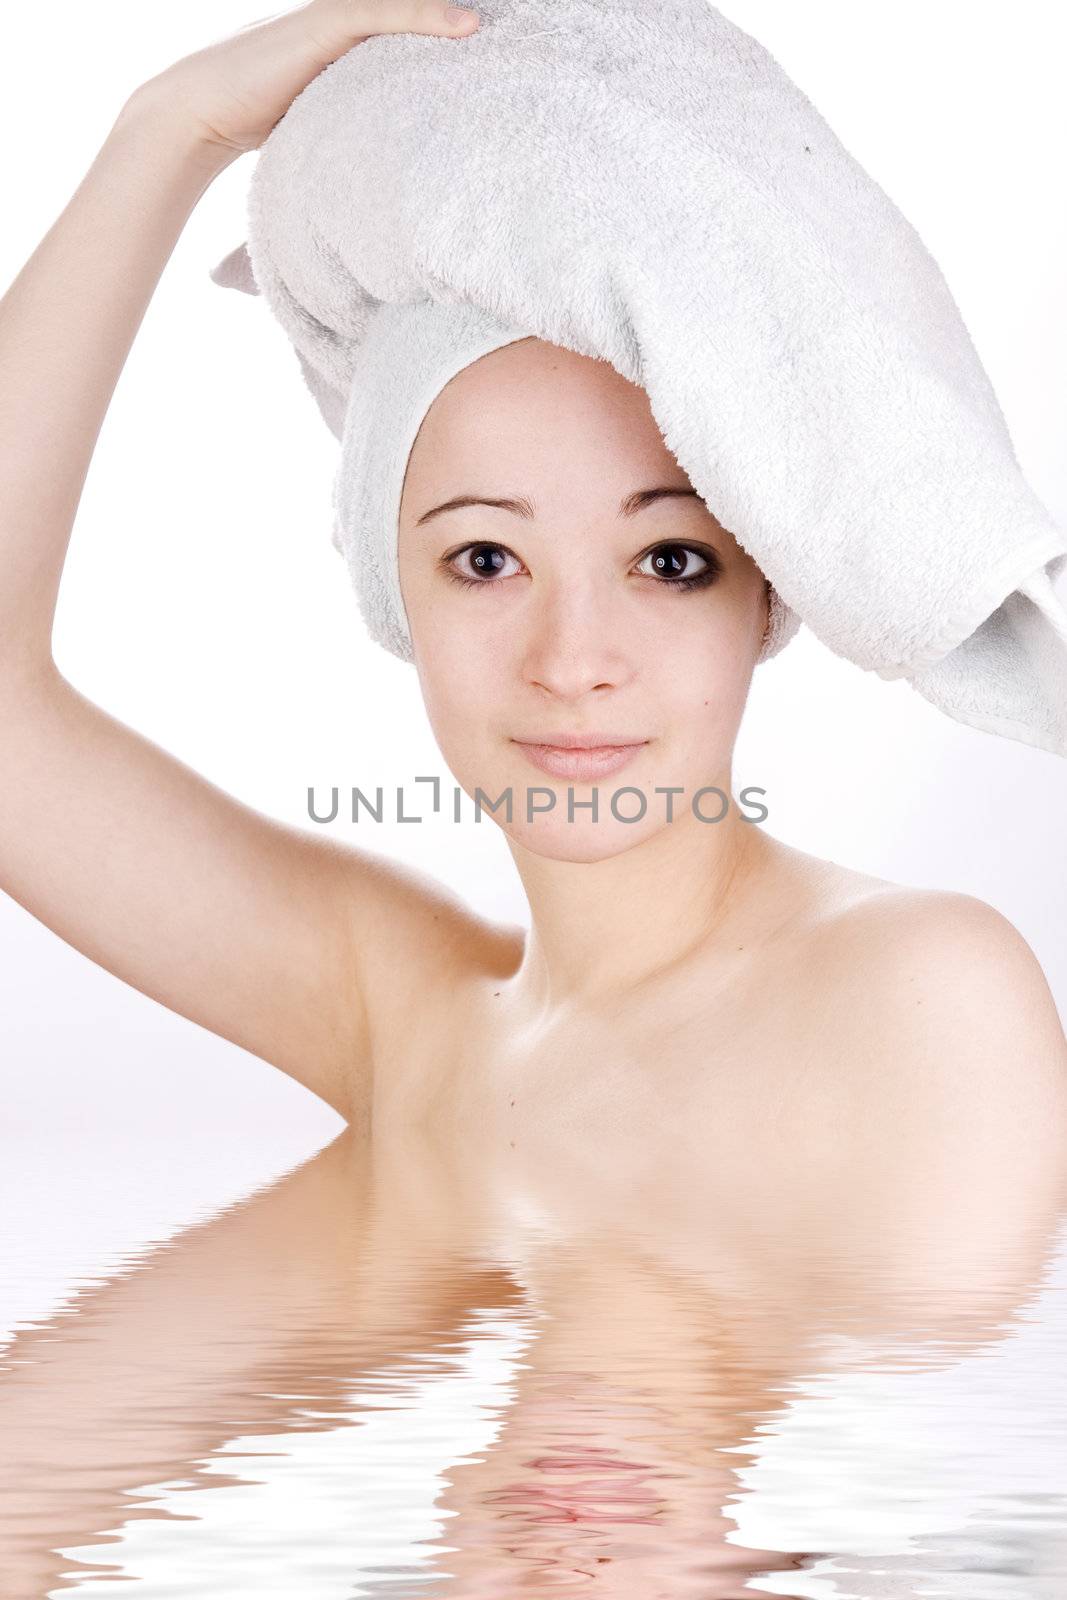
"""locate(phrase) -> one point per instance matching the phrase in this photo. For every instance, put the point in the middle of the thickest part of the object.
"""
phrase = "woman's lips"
(594, 762)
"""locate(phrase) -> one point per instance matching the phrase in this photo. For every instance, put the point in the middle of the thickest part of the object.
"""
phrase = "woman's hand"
(234, 91)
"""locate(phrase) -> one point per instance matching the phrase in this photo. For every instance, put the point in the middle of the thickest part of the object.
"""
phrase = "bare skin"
(707, 1033)
(676, 949)
(670, 1313)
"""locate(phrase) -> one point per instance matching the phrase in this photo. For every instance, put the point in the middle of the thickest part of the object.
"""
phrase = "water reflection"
(397, 1371)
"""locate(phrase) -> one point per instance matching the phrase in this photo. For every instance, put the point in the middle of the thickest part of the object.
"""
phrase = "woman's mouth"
(585, 761)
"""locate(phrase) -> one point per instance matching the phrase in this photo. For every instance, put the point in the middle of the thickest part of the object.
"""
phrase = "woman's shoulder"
(938, 978)
(868, 918)
(419, 938)
(897, 930)
(946, 1071)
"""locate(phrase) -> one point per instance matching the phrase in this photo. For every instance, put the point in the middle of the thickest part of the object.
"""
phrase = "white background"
(205, 606)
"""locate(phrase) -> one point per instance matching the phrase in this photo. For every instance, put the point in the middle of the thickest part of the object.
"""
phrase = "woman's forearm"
(66, 326)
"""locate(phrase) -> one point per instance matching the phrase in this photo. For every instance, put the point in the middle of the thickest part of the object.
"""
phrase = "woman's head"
(603, 599)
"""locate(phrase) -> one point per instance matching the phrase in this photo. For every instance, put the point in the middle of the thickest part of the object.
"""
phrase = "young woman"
(678, 975)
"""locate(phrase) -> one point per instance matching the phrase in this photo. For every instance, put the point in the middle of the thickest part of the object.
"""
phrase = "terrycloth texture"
(647, 186)
(408, 353)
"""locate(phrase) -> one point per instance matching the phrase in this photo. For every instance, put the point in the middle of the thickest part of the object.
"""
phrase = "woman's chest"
(620, 1090)
(716, 1132)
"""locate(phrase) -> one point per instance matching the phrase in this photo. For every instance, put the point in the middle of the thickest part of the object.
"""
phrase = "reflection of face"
(572, 618)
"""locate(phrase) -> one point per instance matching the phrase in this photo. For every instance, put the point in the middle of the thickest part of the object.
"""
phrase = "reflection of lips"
(583, 1460)
(618, 1498)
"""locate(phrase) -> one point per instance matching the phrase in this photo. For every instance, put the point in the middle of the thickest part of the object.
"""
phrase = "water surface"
(392, 1372)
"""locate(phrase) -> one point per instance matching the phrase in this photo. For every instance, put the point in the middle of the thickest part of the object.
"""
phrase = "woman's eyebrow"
(646, 497)
(523, 508)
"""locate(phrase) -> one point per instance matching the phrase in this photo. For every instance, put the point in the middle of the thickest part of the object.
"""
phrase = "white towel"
(645, 185)
(408, 352)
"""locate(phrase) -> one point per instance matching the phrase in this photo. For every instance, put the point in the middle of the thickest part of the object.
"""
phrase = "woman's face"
(563, 612)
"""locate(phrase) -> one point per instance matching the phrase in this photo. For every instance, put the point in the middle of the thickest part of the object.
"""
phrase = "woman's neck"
(600, 930)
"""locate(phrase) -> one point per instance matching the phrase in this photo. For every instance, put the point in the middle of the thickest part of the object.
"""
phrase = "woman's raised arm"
(245, 925)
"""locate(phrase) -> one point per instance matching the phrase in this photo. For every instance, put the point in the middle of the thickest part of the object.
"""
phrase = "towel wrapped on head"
(646, 186)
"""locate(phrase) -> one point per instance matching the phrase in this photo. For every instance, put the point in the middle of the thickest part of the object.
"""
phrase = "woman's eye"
(485, 561)
(674, 564)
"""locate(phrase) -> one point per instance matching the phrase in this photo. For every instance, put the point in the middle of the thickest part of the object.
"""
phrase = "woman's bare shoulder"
(864, 914)
(916, 960)
(933, 1046)
(416, 932)
(939, 979)
(893, 924)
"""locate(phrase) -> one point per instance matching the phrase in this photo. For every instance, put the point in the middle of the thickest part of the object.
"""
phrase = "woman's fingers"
(362, 19)
(237, 89)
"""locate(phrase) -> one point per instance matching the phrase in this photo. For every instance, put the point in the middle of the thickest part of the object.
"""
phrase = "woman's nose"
(575, 639)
